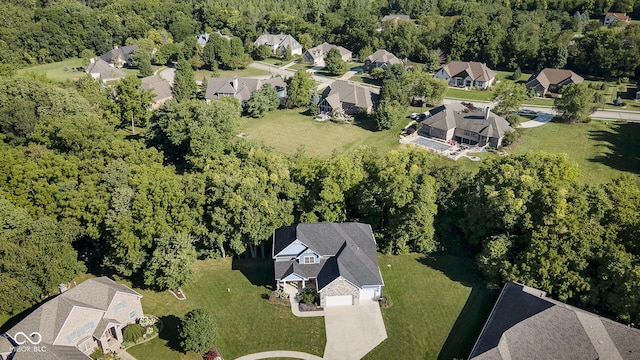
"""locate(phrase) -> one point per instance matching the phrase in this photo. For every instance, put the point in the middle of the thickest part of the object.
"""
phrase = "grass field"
(55, 71)
(439, 307)
(246, 322)
(288, 130)
(247, 72)
(603, 150)
(468, 94)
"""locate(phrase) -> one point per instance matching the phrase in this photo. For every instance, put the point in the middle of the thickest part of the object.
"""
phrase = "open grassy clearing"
(602, 149)
(288, 130)
(439, 307)
(246, 322)
(202, 74)
(480, 95)
(56, 71)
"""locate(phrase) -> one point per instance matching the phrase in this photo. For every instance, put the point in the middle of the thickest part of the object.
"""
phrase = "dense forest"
(78, 189)
(504, 34)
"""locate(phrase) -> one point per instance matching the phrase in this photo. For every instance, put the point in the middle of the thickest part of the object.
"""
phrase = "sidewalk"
(292, 291)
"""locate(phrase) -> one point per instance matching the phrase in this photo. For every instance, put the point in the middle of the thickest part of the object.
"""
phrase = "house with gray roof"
(159, 87)
(279, 43)
(73, 324)
(466, 74)
(241, 88)
(316, 55)
(347, 98)
(101, 70)
(550, 80)
(338, 259)
(120, 56)
(380, 59)
(526, 324)
(458, 123)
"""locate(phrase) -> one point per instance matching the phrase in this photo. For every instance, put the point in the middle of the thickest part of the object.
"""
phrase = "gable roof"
(351, 249)
(458, 116)
(620, 16)
(158, 86)
(342, 91)
(383, 56)
(475, 70)
(48, 318)
(241, 88)
(100, 69)
(320, 51)
(549, 76)
(525, 324)
(279, 40)
(123, 53)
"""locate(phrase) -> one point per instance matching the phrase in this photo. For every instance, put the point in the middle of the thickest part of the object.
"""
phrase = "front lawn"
(203, 74)
(479, 95)
(56, 71)
(288, 130)
(232, 290)
(439, 307)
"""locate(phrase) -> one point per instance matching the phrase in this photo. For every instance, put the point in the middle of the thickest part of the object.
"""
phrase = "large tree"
(184, 84)
(334, 63)
(197, 331)
(299, 89)
(133, 102)
(262, 101)
(169, 266)
(509, 97)
(574, 103)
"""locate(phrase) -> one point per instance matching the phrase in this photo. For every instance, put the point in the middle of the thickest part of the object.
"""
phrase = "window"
(119, 306)
(132, 315)
(309, 260)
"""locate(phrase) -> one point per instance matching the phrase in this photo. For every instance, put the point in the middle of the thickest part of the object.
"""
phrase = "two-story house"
(73, 324)
(466, 74)
(338, 259)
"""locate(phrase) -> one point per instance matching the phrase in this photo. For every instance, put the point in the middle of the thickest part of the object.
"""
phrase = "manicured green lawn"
(479, 95)
(246, 322)
(603, 150)
(288, 130)
(55, 71)
(247, 72)
(439, 307)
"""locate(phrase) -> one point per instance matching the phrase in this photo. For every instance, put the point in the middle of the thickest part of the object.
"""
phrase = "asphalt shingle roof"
(525, 324)
(351, 249)
(383, 56)
(456, 115)
(549, 76)
(158, 86)
(477, 71)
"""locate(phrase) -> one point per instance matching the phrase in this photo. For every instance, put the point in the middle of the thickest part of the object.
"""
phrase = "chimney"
(92, 60)
(62, 288)
(235, 83)
(486, 113)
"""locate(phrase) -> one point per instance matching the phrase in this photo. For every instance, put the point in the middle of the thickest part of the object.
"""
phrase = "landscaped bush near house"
(212, 354)
(97, 354)
(132, 333)
(309, 296)
(147, 321)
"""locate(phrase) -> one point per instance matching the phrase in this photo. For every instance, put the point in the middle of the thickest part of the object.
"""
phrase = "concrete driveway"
(353, 331)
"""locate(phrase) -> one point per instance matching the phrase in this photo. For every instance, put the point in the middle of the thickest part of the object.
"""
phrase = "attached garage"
(340, 300)
(368, 293)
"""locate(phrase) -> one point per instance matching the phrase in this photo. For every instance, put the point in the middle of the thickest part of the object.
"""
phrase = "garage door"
(367, 294)
(342, 300)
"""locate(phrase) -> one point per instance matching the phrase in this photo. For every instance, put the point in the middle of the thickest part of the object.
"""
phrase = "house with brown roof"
(159, 87)
(526, 324)
(610, 17)
(101, 70)
(551, 80)
(380, 59)
(316, 55)
(73, 324)
(241, 88)
(456, 122)
(120, 56)
(466, 74)
(279, 43)
(339, 260)
(344, 97)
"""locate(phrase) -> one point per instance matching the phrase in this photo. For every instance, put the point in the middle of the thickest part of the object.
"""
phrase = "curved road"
(280, 354)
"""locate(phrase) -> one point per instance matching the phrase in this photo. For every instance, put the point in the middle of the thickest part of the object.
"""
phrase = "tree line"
(76, 190)
(506, 35)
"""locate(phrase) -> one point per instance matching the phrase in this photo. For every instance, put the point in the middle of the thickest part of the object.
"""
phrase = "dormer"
(308, 257)
(292, 251)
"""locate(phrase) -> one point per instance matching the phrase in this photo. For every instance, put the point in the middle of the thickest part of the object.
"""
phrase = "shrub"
(147, 321)
(197, 331)
(212, 354)
(97, 354)
(132, 333)
(309, 296)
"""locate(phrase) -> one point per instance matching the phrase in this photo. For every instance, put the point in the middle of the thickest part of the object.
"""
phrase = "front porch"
(111, 339)
(293, 290)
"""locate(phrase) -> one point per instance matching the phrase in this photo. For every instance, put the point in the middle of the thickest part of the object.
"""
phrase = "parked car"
(527, 112)
(414, 116)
